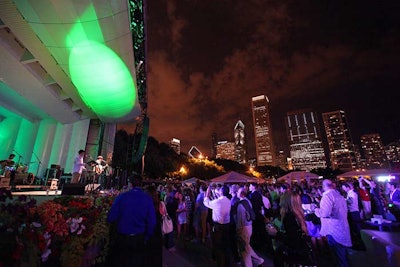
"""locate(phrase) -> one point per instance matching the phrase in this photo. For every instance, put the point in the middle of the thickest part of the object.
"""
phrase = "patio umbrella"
(235, 177)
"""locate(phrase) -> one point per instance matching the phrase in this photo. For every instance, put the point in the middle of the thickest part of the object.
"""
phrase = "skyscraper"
(392, 151)
(194, 152)
(282, 160)
(305, 141)
(240, 143)
(374, 152)
(214, 144)
(175, 144)
(265, 150)
(226, 150)
(340, 143)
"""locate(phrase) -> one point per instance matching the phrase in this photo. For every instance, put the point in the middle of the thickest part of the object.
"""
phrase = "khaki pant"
(76, 176)
(248, 254)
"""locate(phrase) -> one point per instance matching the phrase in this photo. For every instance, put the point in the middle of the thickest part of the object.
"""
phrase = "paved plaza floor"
(192, 254)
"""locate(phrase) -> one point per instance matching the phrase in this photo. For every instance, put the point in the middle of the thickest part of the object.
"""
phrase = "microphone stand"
(19, 157)
(39, 163)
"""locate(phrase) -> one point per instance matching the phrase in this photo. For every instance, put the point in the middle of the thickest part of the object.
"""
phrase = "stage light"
(385, 178)
(102, 79)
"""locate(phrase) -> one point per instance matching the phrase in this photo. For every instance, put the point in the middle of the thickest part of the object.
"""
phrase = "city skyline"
(206, 60)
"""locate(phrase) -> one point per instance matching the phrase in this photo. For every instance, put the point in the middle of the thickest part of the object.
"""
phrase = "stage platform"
(44, 195)
(38, 190)
(29, 187)
(37, 193)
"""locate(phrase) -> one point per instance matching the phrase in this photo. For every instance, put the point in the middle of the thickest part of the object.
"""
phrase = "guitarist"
(99, 168)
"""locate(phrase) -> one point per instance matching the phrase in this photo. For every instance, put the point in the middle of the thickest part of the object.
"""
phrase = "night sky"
(206, 59)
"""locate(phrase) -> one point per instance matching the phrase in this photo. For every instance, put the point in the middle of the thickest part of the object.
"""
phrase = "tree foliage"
(231, 165)
(203, 169)
(160, 161)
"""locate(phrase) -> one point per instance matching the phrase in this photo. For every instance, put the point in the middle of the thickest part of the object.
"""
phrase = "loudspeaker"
(73, 190)
(4, 182)
(91, 187)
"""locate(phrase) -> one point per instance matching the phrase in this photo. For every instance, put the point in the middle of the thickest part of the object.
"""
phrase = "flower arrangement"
(64, 231)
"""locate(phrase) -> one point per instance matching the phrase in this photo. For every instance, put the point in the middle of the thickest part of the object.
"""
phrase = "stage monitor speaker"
(73, 190)
(4, 182)
(91, 187)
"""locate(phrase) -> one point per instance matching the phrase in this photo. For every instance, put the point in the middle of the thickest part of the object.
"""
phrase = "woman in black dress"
(293, 247)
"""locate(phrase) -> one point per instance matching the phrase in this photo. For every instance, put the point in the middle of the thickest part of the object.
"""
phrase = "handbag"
(322, 252)
(309, 252)
(295, 256)
(166, 225)
(305, 255)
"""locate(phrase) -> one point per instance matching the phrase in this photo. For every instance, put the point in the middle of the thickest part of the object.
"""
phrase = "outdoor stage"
(39, 195)
(43, 193)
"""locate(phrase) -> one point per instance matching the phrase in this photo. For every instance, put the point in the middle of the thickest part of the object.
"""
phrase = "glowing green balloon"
(102, 79)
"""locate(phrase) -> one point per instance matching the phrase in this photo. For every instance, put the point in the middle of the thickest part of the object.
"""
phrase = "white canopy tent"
(298, 176)
(378, 174)
(235, 177)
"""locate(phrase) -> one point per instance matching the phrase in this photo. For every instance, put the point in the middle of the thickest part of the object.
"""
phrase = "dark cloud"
(208, 58)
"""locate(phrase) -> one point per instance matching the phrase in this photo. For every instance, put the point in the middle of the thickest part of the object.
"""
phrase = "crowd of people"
(286, 221)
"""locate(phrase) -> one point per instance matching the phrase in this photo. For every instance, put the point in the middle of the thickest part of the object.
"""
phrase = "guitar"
(98, 169)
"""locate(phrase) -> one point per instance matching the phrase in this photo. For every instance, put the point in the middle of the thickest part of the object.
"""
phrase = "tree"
(271, 171)
(203, 169)
(231, 165)
(161, 159)
(120, 153)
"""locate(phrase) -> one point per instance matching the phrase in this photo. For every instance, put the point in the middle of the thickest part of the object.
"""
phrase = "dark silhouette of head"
(135, 179)
(224, 190)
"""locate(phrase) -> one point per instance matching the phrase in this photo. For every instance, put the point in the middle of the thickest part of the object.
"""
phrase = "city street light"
(182, 170)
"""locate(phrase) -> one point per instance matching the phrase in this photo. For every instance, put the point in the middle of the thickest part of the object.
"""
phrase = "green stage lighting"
(102, 79)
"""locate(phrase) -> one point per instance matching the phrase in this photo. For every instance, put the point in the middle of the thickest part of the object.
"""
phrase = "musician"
(79, 166)
(8, 167)
(8, 162)
(100, 164)
(100, 167)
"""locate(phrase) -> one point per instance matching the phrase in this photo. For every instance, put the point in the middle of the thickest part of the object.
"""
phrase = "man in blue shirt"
(134, 216)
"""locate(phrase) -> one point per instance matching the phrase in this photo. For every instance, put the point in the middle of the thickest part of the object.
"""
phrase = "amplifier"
(4, 182)
(73, 189)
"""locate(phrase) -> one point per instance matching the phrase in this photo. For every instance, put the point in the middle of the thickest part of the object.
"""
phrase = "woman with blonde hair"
(293, 247)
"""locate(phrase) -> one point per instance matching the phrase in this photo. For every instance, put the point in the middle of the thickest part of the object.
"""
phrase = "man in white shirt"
(79, 166)
(244, 230)
(394, 193)
(353, 215)
(351, 198)
(221, 207)
(334, 224)
(394, 199)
